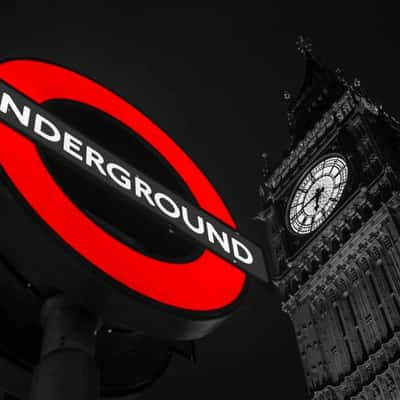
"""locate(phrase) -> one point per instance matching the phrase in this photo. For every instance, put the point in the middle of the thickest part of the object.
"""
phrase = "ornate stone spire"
(321, 87)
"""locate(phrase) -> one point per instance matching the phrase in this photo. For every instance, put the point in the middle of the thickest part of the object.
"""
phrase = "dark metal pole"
(67, 368)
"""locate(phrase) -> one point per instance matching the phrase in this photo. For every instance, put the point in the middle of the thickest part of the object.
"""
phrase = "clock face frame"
(317, 194)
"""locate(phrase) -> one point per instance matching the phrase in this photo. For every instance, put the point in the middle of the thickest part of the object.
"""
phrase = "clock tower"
(331, 210)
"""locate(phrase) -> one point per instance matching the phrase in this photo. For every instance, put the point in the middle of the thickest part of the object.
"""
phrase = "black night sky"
(213, 79)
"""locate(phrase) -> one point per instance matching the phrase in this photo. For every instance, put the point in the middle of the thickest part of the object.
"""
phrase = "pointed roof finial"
(286, 95)
(304, 45)
(265, 167)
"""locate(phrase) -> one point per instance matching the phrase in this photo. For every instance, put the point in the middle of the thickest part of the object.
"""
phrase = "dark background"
(213, 79)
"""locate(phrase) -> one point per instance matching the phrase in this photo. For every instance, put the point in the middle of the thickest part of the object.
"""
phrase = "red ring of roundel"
(205, 284)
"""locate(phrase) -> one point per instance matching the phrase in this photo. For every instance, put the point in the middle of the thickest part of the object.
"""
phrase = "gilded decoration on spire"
(304, 45)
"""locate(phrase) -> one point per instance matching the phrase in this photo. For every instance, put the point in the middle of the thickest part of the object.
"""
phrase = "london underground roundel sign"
(210, 282)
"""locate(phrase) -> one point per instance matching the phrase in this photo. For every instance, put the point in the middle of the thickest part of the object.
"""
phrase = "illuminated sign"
(209, 282)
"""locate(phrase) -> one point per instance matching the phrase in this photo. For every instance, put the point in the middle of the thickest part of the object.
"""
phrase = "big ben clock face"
(317, 194)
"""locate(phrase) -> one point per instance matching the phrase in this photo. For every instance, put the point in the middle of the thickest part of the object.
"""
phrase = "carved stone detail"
(332, 118)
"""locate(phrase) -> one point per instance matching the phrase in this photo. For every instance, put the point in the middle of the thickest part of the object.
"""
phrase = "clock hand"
(317, 198)
(305, 205)
(308, 202)
(316, 203)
